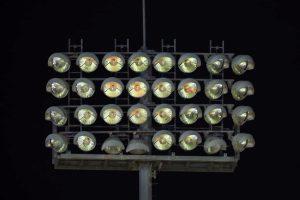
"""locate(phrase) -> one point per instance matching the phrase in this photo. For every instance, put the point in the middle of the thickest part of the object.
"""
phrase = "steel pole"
(144, 26)
(145, 181)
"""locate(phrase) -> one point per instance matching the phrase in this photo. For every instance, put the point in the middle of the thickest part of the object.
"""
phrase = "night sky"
(33, 30)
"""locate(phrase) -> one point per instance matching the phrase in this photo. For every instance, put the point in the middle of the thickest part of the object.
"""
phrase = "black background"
(267, 30)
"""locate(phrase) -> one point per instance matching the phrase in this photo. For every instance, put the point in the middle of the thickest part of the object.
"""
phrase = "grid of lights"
(138, 114)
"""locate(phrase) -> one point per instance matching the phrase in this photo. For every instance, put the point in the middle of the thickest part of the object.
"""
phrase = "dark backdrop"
(267, 30)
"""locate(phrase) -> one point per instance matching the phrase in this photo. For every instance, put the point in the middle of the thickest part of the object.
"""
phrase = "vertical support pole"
(145, 181)
(144, 26)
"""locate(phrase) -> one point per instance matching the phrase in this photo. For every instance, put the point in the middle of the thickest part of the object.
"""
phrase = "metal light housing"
(213, 145)
(57, 115)
(189, 62)
(217, 63)
(188, 88)
(59, 143)
(164, 62)
(241, 141)
(85, 141)
(241, 63)
(189, 140)
(241, 89)
(137, 87)
(111, 114)
(163, 113)
(85, 114)
(139, 62)
(163, 140)
(58, 87)
(137, 147)
(87, 62)
(59, 62)
(241, 114)
(214, 114)
(214, 89)
(138, 114)
(113, 145)
(83, 87)
(113, 61)
(190, 113)
(112, 87)
(162, 87)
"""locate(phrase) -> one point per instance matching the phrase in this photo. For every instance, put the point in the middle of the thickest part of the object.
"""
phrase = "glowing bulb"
(163, 140)
(163, 62)
(241, 63)
(111, 114)
(83, 87)
(137, 87)
(113, 61)
(188, 88)
(139, 62)
(59, 62)
(214, 114)
(59, 143)
(138, 114)
(87, 62)
(85, 114)
(137, 146)
(189, 140)
(214, 89)
(112, 87)
(163, 113)
(213, 145)
(113, 145)
(241, 141)
(162, 87)
(241, 114)
(57, 87)
(58, 116)
(85, 141)
(190, 113)
(188, 63)
(241, 89)
(216, 63)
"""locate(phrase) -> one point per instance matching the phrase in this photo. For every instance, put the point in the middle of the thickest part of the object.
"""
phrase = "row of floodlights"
(162, 62)
(162, 88)
(139, 114)
(162, 140)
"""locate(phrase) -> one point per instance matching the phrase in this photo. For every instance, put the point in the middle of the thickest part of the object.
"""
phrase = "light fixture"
(85, 114)
(188, 88)
(163, 62)
(190, 113)
(162, 87)
(83, 87)
(85, 141)
(163, 140)
(111, 114)
(59, 62)
(59, 143)
(241, 63)
(189, 140)
(87, 62)
(137, 147)
(214, 89)
(57, 87)
(241, 89)
(213, 145)
(241, 141)
(163, 113)
(113, 145)
(137, 87)
(113, 61)
(189, 62)
(57, 115)
(138, 114)
(214, 114)
(216, 63)
(112, 87)
(241, 114)
(139, 62)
